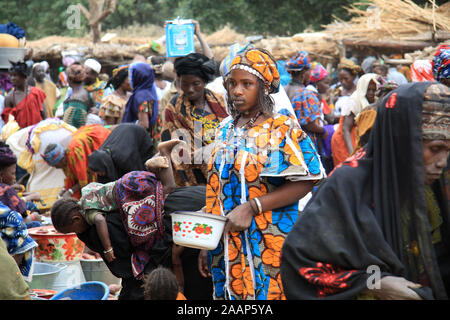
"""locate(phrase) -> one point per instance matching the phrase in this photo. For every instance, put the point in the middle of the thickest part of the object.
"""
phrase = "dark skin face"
(8, 175)
(346, 79)
(39, 73)
(90, 76)
(61, 164)
(126, 86)
(17, 80)
(382, 71)
(306, 76)
(193, 88)
(435, 155)
(371, 92)
(77, 224)
(302, 77)
(323, 85)
(243, 89)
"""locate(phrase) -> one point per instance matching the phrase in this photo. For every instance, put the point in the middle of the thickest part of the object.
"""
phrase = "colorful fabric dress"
(113, 106)
(76, 111)
(306, 105)
(144, 98)
(84, 141)
(98, 91)
(197, 128)
(246, 164)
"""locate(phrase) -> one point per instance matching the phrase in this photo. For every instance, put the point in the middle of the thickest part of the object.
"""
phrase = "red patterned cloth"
(28, 111)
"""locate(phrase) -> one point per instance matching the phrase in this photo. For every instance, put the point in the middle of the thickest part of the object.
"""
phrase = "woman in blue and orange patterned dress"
(261, 165)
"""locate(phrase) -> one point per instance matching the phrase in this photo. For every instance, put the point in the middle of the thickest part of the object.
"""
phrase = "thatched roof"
(387, 26)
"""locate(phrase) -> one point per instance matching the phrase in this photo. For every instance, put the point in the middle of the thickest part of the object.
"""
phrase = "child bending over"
(70, 216)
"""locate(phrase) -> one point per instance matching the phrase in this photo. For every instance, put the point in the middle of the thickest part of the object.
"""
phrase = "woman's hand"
(32, 196)
(396, 288)
(36, 217)
(109, 256)
(239, 218)
(203, 264)
(176, 253)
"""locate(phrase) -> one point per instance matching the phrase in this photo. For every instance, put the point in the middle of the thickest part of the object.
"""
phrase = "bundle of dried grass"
(395, 19)
(118, 50)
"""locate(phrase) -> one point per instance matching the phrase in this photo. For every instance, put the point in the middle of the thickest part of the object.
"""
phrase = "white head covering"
(45, 65)
(93, 64)
(359, 96)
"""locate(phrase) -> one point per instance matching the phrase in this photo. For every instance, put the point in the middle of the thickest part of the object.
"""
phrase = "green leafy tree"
(268, 17)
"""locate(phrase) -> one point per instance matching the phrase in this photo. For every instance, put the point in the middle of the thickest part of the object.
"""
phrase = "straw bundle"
(117, 51)
(395, 19)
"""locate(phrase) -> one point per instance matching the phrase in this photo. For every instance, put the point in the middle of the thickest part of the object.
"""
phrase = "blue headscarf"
(142, 78)
(54, 156)
(14, 232)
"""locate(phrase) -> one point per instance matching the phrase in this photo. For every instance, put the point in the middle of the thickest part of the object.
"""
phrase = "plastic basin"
(45, 274)
(54, 246)
(197, 230)
(11, 54)
(92, 290)
(96, 270)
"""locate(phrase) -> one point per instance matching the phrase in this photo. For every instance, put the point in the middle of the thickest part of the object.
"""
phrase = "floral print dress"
(248, 163)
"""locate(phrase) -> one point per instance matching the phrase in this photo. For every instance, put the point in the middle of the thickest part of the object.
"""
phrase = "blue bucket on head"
(91, 290)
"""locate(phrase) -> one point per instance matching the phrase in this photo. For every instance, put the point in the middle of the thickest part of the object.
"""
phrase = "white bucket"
(45, 274)
(96, 270)
(71, 276)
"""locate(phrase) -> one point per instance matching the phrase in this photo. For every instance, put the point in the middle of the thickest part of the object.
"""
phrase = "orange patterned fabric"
(84, 141)
(246, 164)
(262, 63)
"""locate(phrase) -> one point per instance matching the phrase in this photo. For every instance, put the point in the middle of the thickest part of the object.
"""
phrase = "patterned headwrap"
(318, 72)
(7, 157)
(349, 64)
(259, 63)
(421, 71)
(118, 76)
(441, 63)
(54, 156)
(235, 49)
(299, 62)
(436, 112)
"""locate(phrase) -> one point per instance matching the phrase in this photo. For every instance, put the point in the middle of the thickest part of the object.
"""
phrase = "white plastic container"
(96, 270)
(68, 277)
(45, 274)
(197, 230)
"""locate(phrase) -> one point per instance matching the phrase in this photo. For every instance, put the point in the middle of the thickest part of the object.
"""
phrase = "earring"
(266, 92)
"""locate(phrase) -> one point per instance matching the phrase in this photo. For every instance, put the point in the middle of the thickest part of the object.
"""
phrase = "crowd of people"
(320, 177)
